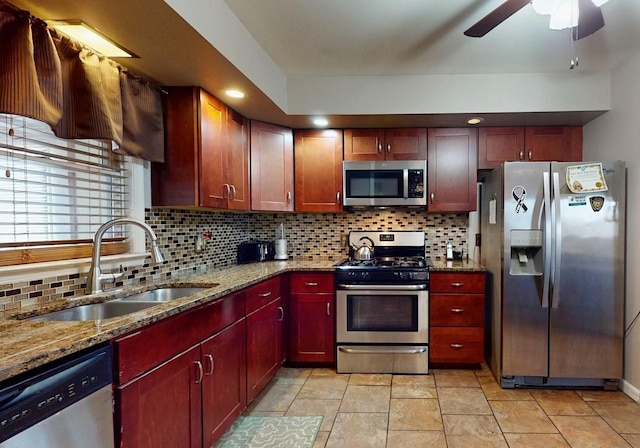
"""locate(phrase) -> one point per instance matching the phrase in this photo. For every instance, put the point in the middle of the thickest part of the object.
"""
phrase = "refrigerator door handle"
(557, 227)
(546, 209)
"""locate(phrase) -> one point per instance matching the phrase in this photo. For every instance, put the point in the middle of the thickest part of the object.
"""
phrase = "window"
(55, 193)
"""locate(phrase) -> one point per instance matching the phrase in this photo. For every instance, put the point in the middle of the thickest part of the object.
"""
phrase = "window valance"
(79, 93)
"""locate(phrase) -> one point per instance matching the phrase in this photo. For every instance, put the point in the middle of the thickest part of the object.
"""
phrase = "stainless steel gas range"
(382, 304)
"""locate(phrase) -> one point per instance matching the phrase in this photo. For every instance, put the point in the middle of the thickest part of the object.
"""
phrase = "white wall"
(616, 135)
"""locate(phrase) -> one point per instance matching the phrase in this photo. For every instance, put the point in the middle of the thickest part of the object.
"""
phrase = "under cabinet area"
(265, 334)
(456, 317)
(312, 321)
(179, 370)
(530, 144)
(385, 144)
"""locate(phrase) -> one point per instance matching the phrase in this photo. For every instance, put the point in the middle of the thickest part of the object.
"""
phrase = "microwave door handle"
(405, 181)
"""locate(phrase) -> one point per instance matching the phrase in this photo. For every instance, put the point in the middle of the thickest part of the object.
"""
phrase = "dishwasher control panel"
(34, 396)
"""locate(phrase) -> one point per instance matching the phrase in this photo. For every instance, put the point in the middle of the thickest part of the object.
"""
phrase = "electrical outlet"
(477, 240)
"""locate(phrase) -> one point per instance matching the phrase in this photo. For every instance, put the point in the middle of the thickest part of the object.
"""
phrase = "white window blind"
(56, 192)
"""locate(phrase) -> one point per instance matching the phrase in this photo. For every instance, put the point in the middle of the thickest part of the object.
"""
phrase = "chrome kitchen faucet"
(96, 277)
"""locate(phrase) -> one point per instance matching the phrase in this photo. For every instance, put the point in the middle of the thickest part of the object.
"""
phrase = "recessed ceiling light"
(234, 93)
(475, 120)
(320, 121)
(80, 31)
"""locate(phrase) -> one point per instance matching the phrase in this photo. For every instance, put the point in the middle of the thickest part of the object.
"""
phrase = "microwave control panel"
(416, 184)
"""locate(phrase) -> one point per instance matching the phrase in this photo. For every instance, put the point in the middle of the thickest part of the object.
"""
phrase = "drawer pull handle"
(200, 372)
(211, 364)
(281, 310)
(311, 283)
(457, 284)
(328, 309)
(265, 294)
(457, 345)
(457, 310)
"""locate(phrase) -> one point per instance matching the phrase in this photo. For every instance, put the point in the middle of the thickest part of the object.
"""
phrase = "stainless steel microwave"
(384, 184)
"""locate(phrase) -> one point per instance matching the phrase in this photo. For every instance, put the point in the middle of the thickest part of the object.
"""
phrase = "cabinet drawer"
(456, 345)
(457, 282)
(456, 310)
(147, 348)
(312, 282)
(262, 293)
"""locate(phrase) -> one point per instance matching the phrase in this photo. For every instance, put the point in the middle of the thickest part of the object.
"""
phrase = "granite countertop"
(465, 265)
(26, 344)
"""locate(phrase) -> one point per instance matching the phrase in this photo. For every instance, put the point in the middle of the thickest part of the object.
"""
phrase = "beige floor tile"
(414, 415)
(588, 432)
(414, 380)
(321, 439)
(632, 439)
(464, 431)
(327, 408)
(368, 379)
(293, 376)
(603, 395)
(536, 441)
(416, 439)
(562, 402)
(456, 378)
(521, 417)
(413, 392)
(328, 388)
(484, 371)
(366, 399)
(624, 417)
(327, 372)
(493, 391)
(359, 430)
(275, 397)
(462, 400)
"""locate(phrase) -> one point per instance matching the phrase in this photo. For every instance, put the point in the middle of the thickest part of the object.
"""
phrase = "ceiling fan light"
(599, 2)
(566, 16)
(545, 6)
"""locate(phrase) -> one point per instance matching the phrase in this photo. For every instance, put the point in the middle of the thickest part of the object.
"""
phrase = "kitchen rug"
(271, 432)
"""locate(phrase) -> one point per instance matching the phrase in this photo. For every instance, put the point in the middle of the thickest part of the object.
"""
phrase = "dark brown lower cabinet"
(312, 328)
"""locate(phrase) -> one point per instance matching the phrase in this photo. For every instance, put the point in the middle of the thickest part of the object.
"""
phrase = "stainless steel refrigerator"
(553, 243)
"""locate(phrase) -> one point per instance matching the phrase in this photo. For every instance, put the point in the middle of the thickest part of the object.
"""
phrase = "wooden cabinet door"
(550, 143)
(271, 167)
(499, 144)
(312, 328)
(213, 162)
(237, 154)
(364, 144)
(162, 407)
(318, 162)
(452, 162)
(224, 387)
(264, 346)
(406, 144)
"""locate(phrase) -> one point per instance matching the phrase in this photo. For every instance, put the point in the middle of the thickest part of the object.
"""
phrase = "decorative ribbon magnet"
(519, 194)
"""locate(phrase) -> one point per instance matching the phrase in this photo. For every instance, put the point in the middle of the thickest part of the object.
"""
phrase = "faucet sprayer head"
(156, 254)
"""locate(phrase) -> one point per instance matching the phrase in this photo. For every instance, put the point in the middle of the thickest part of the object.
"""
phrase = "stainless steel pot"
(365, 251)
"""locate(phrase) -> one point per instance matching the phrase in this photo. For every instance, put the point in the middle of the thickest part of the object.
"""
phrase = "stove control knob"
(364, 275)
(402, 276)
(410, 275)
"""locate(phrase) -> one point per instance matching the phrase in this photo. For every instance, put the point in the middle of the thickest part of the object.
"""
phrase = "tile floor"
(448, 409)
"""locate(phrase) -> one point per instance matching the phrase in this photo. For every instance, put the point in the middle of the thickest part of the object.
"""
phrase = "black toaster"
(251, 251)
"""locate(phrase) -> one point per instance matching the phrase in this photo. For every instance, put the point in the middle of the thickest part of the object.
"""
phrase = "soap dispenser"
(281, 243)
(449, 250)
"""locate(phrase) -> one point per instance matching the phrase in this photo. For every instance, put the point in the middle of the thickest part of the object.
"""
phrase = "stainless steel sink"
(95, 311)
(163, 294)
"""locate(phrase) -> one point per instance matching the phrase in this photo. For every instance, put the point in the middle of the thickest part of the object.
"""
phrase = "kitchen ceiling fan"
(584, 17)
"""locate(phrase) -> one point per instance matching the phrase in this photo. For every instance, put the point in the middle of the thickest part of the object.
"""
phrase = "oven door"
(382, 314)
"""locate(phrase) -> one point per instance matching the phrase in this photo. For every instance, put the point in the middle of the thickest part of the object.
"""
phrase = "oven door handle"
(386, 351)
(419, 287)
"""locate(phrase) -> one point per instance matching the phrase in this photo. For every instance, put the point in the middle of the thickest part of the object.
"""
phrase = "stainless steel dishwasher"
(67, 404)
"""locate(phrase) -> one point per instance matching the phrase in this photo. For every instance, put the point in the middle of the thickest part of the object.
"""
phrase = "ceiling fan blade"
(589, 21)
(496, 17)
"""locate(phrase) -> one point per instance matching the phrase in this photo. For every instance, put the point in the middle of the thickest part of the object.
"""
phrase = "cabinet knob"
(328, 309)
(457, 284)
(521, 155)
(311, 283)
(432, 196)
(288, 197)
(265, 294)
(379, 148)
(232, 196)
(457, 310)
(338, 197)
(454, 345)
(530, 153)
(226, 191)
(388, 148)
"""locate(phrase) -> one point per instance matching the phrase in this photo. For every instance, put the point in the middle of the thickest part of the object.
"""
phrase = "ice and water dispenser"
(526, 252)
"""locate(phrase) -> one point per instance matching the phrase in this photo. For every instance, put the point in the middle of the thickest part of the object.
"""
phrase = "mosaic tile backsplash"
(309, 236)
